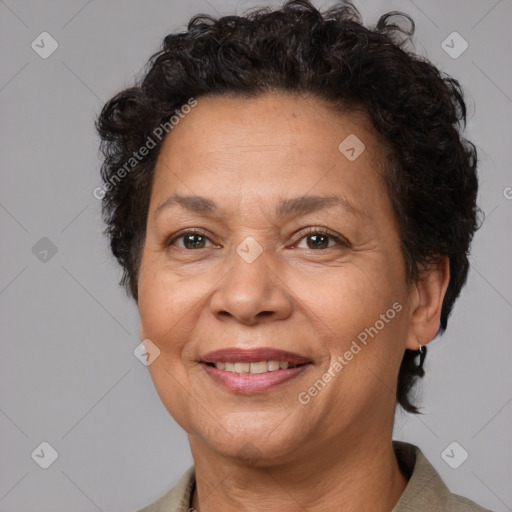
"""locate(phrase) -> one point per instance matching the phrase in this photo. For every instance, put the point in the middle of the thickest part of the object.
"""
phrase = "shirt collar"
(425, 489)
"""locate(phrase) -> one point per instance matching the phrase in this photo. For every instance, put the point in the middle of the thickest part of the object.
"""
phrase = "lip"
(254, 355)
(250, 383)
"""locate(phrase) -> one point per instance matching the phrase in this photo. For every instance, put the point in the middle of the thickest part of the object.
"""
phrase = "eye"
(192, 239)
(315, 239)
(319, 238)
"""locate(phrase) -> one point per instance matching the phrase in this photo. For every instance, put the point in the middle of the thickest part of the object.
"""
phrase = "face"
(263, 236)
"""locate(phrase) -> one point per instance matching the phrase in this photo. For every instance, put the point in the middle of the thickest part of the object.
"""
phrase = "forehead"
(276, 144)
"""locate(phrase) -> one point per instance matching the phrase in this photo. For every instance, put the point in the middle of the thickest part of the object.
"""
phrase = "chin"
(258, 442)
(258, 452)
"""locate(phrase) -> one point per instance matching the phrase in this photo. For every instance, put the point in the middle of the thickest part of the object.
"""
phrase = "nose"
(252, 292)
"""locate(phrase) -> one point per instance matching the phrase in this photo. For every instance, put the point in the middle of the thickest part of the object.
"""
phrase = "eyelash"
(341, 242)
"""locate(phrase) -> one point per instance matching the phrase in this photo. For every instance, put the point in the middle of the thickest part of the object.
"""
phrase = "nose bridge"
(251, 265)
(251, 286)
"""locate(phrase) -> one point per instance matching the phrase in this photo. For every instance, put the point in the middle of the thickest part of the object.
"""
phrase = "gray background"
(68, 375)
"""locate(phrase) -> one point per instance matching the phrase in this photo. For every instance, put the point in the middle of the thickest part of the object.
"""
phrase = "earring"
(422, 352)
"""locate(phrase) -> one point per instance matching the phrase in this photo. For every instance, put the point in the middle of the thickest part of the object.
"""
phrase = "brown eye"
(189, 240)
(193, 241)
(318, 240)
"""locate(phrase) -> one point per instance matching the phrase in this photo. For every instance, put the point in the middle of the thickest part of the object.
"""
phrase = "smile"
(255, 370)
(258, 367)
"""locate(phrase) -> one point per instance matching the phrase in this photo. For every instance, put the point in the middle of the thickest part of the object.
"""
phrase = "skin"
(267, 451)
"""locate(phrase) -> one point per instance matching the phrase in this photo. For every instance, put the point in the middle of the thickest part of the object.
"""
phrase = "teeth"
(242, 367)
(273, 366)
(259, 367)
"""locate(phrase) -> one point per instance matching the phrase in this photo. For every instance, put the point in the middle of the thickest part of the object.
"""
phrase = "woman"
(292, 203)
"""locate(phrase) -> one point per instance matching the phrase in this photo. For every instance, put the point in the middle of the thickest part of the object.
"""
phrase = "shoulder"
(178, 498)
(456, 503)
(425, 490)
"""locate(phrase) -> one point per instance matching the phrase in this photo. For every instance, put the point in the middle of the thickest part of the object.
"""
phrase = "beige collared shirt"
(425, 491)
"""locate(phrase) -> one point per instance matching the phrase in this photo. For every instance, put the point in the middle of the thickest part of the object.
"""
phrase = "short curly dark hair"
(418, 112)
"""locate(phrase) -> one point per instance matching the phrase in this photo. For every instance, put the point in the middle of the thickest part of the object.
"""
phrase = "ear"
(428, 294)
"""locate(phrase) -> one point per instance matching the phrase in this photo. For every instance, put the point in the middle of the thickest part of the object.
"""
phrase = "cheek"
(163, 305)
(163, 308)
(171, 307)
(360, 315)
(351, 298)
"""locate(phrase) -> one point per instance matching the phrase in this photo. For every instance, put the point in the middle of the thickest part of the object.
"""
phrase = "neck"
(362, 475)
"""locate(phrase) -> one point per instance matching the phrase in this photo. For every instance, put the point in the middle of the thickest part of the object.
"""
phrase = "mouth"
(255, 370)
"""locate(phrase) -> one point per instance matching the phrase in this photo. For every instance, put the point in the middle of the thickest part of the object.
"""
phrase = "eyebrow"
(301, 205)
